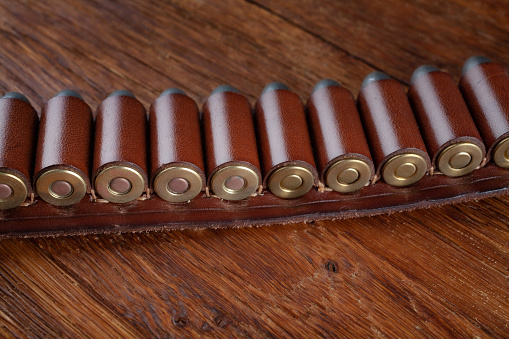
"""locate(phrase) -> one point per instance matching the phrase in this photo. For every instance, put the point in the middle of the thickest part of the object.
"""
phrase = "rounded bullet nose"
(325, 83)
(372, 77)
(424, 69)
(15, 95)
(172, 91)
(275, 85)
(122, 92)
(224, 88)
(474, 61)
(69, 93)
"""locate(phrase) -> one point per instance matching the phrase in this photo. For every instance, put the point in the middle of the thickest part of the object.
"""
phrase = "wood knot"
(331, 266)
(205, 327)
(180, 321)
(221, 320)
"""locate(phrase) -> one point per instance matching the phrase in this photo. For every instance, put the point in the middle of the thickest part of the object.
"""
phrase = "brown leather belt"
(333, 158)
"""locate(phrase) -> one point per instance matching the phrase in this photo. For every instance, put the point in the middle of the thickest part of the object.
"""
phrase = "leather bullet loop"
(341, 150)
(176, 147)
(63, 151)
(285, 145)
(448, 129)
(120, 151)
(18, 132)
(233, 167)
(396, 144)
(485, 87)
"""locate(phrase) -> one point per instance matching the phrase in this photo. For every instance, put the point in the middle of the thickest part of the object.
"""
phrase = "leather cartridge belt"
(121, 168)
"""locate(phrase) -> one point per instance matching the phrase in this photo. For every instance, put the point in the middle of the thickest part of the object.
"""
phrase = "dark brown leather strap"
(42, 219)
(279, 135)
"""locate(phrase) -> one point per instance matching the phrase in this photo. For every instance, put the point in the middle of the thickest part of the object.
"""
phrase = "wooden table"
(428, 273)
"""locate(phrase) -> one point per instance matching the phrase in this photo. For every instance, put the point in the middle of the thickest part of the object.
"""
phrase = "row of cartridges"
(233, 152)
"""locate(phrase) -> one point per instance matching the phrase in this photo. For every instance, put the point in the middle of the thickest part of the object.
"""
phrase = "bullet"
(233, 167)
(19, 122)
(176, 147)
(342, 152)
(448, 129)
(394, 138)
(120, 148)
(485, 87)
(285, 146)
(62, 161)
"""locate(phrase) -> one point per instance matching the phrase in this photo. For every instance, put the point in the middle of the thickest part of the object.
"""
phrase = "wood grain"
(440, 272)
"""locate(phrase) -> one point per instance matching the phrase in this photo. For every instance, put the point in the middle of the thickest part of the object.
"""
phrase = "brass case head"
(105, 179)
(290, 182)
(61, 187)
(18, 191)
(348, 175)
(459, 159)
(178, 184)
(404, 169)
(234, 182)
(500, 153)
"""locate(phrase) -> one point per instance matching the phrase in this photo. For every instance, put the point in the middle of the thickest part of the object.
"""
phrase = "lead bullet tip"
(224, 88)
(424, 69)
(172, 91)
(374, 76)
(325, 83)
(15, 95)
(69, 93)
(474, 61)
(274, 86)
(122, 92)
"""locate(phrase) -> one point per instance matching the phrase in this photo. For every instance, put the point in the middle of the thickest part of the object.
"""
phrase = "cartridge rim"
(290, 182)
(404, 169)
(107, 175)
(78, 187)
(501, 153)
(162, 180)
(348, 175)
(459, 159)
(19, 191)
(220, 188)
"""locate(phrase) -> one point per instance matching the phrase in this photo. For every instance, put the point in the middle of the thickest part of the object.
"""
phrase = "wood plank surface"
(441, 272)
